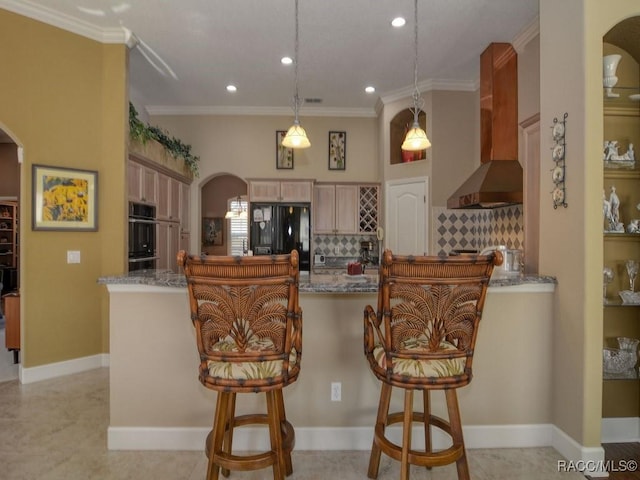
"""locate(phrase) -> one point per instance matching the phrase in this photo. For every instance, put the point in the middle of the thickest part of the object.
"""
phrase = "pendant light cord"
(296, 98)
(417, 101)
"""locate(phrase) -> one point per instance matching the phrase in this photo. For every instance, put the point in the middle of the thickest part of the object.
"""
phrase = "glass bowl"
(615, 360)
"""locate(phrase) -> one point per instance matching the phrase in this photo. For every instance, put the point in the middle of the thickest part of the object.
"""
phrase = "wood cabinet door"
(162, 245)
(149, 186)
(174, 200)
(264, 191)
(295, 191)
(324, 209)
(164, 197)
(134, 181)
(185, 207)
(346, 209)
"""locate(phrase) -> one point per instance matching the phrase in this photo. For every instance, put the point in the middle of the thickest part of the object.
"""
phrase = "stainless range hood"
(498, 181)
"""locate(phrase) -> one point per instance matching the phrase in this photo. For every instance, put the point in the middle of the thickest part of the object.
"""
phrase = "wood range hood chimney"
(498, 181)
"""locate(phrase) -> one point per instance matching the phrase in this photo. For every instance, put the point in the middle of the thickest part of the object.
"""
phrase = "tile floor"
(56, 430)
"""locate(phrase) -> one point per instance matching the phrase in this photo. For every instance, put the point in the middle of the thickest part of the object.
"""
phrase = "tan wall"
(65, 102)
(512, 364)
(571, 81)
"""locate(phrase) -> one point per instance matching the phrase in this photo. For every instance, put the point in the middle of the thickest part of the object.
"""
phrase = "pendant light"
(296, 137)
(416, 138)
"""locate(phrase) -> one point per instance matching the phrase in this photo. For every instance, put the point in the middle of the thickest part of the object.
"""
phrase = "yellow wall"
(63, 98)
(571, 239)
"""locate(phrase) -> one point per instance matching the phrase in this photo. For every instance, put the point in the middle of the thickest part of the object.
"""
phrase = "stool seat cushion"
(416, 367)
(259, 369)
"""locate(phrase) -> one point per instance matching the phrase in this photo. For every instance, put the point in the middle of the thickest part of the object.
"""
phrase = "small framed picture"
(212, 233)
(284, 155)
(337, 150)
(64, 199)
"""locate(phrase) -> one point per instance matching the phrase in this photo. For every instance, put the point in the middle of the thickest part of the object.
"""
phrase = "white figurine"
(615, 225)
(606, 210)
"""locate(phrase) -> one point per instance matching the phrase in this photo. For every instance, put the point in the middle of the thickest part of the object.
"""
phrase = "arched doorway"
(215, 195)
(10, 154)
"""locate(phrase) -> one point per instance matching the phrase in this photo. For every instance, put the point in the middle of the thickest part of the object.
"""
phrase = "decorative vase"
(609, 67)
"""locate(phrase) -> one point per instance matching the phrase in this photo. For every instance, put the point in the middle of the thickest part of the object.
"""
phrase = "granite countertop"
(333, 282)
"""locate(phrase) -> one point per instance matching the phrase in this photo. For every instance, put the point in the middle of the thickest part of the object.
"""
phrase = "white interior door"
(406, 216)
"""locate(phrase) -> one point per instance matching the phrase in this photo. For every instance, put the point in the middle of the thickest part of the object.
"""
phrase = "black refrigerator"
(277, 228)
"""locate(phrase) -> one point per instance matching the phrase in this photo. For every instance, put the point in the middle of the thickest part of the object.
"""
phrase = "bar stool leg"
(230, 424)
(406, 434)
(219, 424)
(288, 465)
(275, 433)
(456, 432)
(381, 423)
(426, 409)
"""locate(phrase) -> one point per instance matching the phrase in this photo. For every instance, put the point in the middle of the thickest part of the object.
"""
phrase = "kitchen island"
(157, 402)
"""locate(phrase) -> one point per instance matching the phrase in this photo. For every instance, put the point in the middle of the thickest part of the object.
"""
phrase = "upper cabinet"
(169, 198)
(347, 209)
(280, 191)
(143, 183)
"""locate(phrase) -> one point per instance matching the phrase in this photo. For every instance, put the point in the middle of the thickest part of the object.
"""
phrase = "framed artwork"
(284, 155)
(64, 199)
(337, 150)
(212, 232)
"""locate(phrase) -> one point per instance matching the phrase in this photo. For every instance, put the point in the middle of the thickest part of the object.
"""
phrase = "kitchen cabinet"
(168, 245)
(621, 394)
(347, 209)
(185, 207)
(280, 191)
(169, 197)
(12, 323)
(142, 183)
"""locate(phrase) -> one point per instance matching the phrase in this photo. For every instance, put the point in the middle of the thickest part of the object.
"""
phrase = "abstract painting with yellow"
(65, 199)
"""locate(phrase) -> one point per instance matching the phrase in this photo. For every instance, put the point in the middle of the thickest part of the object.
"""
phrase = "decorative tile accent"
(477, 229)
(349, 244)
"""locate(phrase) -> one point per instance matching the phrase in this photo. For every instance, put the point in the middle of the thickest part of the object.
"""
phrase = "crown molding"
(527, 34)
(428, 86)
(259, 111)
(65, 22)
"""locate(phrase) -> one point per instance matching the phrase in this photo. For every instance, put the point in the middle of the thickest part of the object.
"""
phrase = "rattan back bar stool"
(422, 337)
(248, 327)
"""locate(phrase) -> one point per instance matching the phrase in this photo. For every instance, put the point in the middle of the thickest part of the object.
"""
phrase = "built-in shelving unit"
(621, 392)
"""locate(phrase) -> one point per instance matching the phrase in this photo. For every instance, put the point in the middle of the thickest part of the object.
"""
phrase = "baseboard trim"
(620, 430)
(324, 438)
(59, 369)
(585, 460)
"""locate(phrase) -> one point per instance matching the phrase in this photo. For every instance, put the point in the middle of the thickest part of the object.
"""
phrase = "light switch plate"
(73, 256)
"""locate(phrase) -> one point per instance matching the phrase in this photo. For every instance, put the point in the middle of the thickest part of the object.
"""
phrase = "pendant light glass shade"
(416, 138)
(296, 136)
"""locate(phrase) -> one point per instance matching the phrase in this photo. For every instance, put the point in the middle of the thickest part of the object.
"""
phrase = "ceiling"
(344, 46)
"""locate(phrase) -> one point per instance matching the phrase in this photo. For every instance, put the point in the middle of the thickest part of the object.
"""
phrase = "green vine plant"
(142, 133)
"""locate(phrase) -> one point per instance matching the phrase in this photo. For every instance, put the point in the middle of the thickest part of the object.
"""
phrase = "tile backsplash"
(475, 229)
(466, 229)
(348, 245)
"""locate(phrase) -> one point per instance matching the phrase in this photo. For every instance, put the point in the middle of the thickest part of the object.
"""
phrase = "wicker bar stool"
(249, 336)
(422, 337)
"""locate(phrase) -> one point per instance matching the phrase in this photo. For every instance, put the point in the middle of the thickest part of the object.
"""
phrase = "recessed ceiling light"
(286, 60)
(231, 88)
(370, 89)
(398, 22)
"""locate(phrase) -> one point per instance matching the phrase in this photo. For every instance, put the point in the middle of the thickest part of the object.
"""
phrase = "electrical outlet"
(336, 391)
(336, 250)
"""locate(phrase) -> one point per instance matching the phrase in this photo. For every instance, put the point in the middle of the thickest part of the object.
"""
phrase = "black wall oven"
(142, 236)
